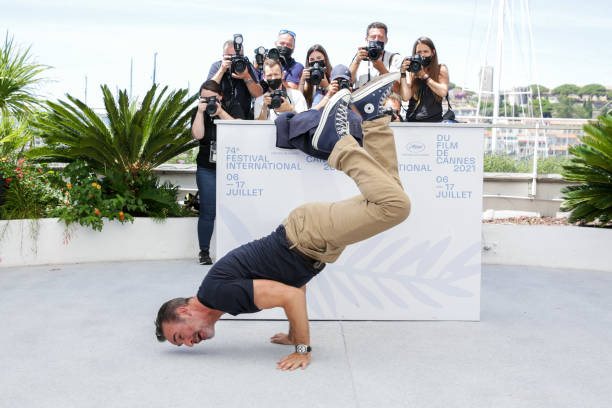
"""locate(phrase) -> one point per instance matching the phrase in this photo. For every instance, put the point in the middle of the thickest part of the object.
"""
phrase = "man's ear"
(183, 311)
(284, 74)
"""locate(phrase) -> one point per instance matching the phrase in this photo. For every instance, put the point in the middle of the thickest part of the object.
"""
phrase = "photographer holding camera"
(373, 60)
(314, 83)
(210, 106)
(278, 99)
(237, 77)
(423, 83)
(285, 44)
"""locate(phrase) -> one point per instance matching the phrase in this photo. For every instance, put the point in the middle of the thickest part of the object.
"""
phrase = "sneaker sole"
(332, 102)
(379, 82)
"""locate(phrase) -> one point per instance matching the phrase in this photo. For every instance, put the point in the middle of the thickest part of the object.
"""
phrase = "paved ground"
(82, 336)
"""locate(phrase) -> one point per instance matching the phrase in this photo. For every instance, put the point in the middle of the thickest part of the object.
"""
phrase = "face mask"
(285, 52)
(427, 61)
(274, 83)
(321, 63)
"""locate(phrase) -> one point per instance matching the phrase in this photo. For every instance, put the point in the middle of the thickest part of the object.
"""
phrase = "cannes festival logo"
(415, 147)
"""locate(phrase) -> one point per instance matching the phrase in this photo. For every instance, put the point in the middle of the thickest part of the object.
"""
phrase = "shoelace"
(342, 124)
(381, 101)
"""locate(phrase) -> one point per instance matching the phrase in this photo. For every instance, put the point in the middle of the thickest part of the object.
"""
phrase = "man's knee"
(399, 210)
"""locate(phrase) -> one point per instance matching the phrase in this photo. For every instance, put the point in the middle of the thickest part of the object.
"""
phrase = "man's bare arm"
(268, 294)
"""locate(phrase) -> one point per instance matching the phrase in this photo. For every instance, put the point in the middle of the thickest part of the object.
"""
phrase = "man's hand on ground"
(281, 338)
(293, 361)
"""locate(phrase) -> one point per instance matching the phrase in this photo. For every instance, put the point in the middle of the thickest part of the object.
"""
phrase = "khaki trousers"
(322, 230)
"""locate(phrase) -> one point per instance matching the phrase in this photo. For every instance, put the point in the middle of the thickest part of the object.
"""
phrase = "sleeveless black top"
(424, 108)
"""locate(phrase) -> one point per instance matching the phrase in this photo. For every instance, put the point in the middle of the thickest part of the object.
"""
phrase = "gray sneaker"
(370, 98)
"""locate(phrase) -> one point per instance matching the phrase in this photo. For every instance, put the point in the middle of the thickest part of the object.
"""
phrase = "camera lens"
(239, 66)
(315, 76)
(211, 108)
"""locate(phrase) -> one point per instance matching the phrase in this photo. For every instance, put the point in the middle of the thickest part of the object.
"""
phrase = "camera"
(277, 99)
(211, 104)
(317, 69)
(416, 63)
(343, 83)
(273, 54)
(260, 55)
(239, 62)
(375, 49)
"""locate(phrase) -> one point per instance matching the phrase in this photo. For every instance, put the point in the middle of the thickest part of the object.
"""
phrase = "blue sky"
(97, 39)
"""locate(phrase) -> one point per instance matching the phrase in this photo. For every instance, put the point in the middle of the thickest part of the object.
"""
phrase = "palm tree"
(18, 77)
(592, 166)
(134, 139)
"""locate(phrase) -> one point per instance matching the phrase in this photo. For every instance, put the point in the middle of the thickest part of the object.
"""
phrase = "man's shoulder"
(296, 65)
(294, 93)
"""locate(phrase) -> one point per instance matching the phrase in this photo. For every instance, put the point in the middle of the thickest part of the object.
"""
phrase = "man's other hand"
(285, 106)
(226, 63)
(281, 338)
(362, 53)
(244, 75)
(293, 361)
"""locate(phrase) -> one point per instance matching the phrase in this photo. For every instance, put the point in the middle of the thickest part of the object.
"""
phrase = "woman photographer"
(314, 93)
(424, 89)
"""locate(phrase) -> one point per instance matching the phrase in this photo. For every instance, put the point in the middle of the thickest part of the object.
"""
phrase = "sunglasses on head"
(291, 33)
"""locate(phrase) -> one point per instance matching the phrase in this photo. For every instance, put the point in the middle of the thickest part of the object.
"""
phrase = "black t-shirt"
(210, 135)
(228, 286)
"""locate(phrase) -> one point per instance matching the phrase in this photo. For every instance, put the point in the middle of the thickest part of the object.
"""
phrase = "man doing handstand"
(273, 271)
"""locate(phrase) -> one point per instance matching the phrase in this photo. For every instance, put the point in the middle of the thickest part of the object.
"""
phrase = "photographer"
(278, 99)
(238, 87)
(423, 83)
(393, 105)
(210, 106)
(285, 43)
(314, 83)
(373, 60)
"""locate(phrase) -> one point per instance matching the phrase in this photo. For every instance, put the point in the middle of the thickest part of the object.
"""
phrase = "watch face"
(301, 348)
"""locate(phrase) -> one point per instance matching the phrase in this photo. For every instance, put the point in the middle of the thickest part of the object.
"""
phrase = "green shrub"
(591, 166)
(117, 196)
(26, 192)
(507, 164)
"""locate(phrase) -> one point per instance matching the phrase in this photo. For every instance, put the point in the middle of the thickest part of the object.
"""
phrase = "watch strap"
(302, 346)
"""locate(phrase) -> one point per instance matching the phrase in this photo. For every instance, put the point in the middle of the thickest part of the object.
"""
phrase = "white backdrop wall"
(427, 268)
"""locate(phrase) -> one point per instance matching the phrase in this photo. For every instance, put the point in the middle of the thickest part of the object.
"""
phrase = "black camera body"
(343, 83)
(277, 99)
(273, 53)
(211, 105)
(239, 62)
(317, 70)
(416, 63)
(375, 50)
(261, 53)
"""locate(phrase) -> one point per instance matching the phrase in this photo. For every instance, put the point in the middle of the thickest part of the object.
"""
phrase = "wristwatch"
(248, 81)
(303, 349)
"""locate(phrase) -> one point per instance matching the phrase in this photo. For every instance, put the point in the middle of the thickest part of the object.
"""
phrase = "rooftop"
(81, 335)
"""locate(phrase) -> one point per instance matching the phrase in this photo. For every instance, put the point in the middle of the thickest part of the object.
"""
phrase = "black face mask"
(285, 52)
(274, 83)
(427, 61)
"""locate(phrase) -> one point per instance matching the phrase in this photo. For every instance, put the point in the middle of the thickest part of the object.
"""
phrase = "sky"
(97, 39)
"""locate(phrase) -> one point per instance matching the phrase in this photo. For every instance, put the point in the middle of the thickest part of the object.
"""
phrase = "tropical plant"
(25, 192)
(135, 138)
(14, 136)
(591, 166)
(19, 75)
